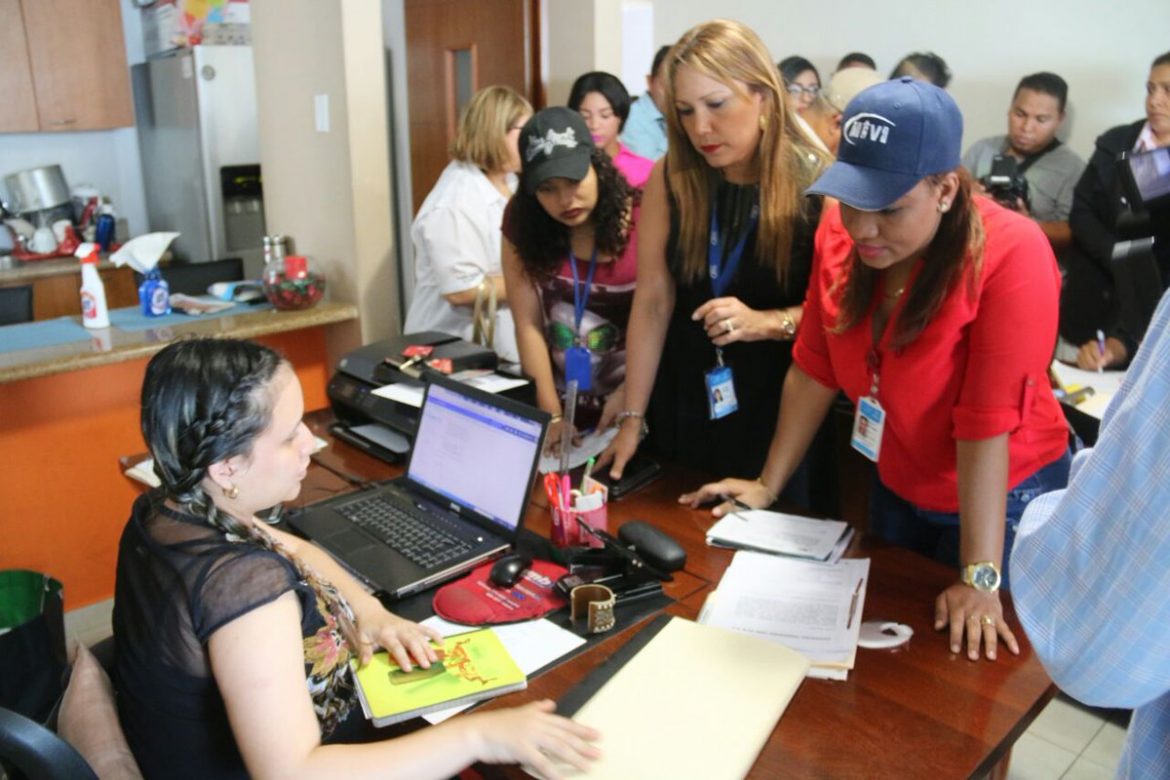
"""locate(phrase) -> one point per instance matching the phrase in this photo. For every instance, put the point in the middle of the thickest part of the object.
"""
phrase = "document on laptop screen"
(475, 454)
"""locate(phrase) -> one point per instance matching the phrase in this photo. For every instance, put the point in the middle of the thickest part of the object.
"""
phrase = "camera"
(1005, 183)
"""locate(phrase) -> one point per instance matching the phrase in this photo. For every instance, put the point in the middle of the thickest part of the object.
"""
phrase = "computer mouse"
(507, 570)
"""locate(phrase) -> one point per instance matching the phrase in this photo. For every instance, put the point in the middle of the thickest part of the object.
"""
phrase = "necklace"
(894, 294)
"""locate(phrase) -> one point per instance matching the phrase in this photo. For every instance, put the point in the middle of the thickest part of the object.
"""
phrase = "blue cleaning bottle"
(154, 294)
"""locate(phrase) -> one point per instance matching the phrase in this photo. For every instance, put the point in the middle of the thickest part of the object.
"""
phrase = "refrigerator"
(198, 139)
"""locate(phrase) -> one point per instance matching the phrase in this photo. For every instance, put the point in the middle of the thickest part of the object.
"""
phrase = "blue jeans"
(936, 534)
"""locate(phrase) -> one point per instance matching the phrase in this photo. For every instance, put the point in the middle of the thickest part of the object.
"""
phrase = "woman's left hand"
(403, 639)
(976, 614)
(728, 319)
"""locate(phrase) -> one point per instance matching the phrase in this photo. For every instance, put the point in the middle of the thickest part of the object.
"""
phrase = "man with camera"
(1028, 169)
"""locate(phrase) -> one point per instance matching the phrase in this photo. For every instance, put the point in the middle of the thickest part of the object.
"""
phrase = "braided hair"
(204, 401)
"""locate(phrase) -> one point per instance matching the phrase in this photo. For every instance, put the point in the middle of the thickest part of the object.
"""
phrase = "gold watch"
(983, 576)
(787, 325)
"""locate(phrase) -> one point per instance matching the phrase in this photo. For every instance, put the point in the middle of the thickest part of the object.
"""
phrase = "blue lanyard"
(721, 273)
(581, 291)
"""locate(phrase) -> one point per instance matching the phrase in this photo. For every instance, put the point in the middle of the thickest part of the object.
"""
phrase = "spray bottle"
(94, 312)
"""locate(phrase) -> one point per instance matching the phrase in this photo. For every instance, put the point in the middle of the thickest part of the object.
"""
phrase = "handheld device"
(640, 471)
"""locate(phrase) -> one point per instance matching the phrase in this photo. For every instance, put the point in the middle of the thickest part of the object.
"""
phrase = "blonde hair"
(483, 125)
(733, 54)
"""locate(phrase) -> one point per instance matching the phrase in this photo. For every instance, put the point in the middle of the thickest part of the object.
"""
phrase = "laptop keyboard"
(419, 541)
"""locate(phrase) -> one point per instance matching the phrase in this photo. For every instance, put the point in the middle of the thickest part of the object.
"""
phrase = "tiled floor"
(1067, 742)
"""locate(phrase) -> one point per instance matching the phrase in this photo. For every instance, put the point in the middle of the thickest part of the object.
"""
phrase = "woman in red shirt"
(936, 313)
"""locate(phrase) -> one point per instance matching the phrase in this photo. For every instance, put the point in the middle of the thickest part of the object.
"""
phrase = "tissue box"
(173, 24)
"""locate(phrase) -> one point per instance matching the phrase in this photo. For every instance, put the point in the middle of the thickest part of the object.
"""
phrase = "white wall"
(107, 159)
(1103, 50)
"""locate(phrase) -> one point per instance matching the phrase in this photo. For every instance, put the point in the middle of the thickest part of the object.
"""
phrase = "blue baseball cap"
(893, 135)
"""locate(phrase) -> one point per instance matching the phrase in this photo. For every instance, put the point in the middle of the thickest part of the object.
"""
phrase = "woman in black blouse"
(233, 639)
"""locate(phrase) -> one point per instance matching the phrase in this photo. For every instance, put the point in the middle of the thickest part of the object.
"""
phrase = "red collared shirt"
(978, 369)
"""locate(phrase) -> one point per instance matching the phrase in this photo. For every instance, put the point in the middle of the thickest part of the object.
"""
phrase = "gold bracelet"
(767, 490)
(556, 418)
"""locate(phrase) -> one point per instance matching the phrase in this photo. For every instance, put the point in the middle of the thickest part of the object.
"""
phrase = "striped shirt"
(1091, 564)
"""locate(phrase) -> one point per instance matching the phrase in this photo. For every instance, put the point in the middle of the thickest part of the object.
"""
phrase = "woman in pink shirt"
(603, 102)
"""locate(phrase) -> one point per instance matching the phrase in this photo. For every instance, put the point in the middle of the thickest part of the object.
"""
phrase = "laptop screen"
(476, 454)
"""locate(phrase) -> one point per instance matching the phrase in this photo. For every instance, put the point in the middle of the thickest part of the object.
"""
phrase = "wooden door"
(455, 47)
(18, 108)
(78, 58)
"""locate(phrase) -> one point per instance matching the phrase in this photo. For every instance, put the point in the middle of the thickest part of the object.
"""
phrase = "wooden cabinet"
(63, 66)
(58, 295)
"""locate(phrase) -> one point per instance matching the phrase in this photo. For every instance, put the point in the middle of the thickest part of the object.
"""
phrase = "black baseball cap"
(554, 144)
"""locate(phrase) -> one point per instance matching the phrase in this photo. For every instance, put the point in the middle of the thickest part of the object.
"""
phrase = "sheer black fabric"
(178, 581)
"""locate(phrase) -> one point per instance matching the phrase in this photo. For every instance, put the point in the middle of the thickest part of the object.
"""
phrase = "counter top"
(113, 345)
(13, 271)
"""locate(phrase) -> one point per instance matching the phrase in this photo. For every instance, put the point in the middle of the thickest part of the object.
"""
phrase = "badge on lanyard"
(578, 363)
(721, 400)
(868, 423)
(720, 383)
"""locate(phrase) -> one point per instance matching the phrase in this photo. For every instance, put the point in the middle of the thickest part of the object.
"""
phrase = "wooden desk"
(916, 712)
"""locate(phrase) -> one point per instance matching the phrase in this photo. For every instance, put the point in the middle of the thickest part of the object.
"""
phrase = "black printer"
(385, 426)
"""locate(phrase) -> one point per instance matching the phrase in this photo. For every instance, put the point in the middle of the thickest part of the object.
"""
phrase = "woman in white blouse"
(456, 234)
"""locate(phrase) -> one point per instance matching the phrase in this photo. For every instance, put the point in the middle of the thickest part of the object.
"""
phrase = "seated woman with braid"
(233, 639)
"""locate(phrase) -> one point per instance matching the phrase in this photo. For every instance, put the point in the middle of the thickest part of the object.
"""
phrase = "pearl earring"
(943, 206)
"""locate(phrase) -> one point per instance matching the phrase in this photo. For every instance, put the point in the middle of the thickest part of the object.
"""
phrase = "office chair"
(16, 304)
(35, 751)
(195, 278)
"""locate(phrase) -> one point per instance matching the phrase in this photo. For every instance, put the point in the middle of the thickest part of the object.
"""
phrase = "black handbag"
(32, 643)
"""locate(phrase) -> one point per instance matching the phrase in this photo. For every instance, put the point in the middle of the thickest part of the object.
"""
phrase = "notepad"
(473, 666)
(695, 701)
(780, 533)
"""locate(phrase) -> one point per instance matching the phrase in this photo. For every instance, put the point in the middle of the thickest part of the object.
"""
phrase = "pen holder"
(565, 531)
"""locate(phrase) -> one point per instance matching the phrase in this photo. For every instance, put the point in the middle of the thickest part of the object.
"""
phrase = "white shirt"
(456, 238)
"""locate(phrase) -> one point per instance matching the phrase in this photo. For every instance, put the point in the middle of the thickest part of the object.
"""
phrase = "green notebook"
(471, 667)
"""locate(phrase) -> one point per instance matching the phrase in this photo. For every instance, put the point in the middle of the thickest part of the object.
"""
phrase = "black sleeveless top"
(680, 426)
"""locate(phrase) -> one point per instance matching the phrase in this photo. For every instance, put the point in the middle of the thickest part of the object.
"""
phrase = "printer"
(383, 423)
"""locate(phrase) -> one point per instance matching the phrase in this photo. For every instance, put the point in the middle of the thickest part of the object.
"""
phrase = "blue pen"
(1100, 348)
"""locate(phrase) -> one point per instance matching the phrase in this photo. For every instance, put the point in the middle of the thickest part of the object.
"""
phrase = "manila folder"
(696, 701)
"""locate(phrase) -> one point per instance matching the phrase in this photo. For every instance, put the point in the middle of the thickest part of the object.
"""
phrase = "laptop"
(461, 502)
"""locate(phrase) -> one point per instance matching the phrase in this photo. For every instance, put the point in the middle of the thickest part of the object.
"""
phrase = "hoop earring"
(233, 492)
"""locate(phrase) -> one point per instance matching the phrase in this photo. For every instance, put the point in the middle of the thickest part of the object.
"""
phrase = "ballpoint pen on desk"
(1100, 348)
(853, 603)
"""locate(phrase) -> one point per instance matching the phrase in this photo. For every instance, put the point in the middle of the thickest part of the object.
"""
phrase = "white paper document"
(410, 391)
(814, 608)
(1105, 385)
(591, 446)
(777, 532)
(532, 644)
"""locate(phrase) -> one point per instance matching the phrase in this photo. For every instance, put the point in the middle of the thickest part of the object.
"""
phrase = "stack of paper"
(782, 534)
(809, 607)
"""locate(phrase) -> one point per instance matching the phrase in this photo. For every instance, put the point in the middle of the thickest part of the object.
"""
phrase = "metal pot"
(36, 189)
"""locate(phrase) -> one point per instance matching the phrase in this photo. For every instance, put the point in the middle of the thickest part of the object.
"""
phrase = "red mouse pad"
(475, 601)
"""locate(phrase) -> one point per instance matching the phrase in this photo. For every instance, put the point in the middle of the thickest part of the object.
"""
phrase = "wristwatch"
(787, 325)
(983, 576)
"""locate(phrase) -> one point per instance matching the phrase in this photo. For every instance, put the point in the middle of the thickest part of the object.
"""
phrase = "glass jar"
(290, 284)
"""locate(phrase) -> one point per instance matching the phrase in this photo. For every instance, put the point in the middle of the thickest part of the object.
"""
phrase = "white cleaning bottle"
(94, 312)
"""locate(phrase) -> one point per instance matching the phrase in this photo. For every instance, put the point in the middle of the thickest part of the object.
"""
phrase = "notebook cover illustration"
(471, 667)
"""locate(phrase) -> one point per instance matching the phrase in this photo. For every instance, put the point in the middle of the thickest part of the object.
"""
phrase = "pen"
(1100, 347)
(853, 603)
(588, 471)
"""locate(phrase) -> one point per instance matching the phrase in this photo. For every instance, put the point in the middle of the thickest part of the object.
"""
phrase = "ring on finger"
(728, 325)
(987, 620)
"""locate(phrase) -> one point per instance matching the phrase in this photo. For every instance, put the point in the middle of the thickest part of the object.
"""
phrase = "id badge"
(868, 424)
(721, 399)
(579, 367)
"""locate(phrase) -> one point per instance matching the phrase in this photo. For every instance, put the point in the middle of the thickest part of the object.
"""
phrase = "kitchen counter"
(113, 345)
(14, 271)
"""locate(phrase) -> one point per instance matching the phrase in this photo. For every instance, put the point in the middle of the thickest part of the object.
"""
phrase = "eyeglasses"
(797, 90)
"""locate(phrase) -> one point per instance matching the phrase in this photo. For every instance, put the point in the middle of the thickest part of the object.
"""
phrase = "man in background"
(824, 115)
(1050, 168)
(645, 130)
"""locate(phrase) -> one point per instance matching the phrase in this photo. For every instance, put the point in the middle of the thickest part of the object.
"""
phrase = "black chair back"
(195, 278)
(16, 304)
(34, 751)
